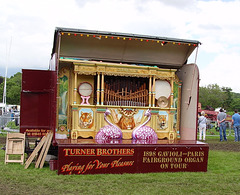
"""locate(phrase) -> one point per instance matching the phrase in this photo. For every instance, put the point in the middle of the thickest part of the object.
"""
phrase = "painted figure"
(110, 131)
(145, 132)
(162, 121)
(127, 119)
(86, 120)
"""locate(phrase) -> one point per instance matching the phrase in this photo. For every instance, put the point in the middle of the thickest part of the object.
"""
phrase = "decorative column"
(75, 88)
(102, 89)
(74, 107)
(150, 91)
(178, 109)
(98, 88)
(171, 98)
(172, 133)
(153, 92)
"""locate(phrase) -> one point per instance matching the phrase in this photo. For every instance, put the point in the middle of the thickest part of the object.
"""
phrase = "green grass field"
(222, 177)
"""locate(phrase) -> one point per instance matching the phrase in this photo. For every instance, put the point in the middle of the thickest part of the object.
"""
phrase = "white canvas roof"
(122, 48)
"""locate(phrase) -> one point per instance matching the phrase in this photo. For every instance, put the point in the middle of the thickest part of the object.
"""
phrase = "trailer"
(116, 103)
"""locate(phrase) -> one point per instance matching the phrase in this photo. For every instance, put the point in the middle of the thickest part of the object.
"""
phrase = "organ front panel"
(128, 91)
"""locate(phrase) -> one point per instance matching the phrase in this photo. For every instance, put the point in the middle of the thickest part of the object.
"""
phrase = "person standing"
(221, 117)
(236, 125)
(202, 123)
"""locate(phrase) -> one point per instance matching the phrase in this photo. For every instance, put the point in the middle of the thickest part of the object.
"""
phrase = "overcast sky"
(27, 29)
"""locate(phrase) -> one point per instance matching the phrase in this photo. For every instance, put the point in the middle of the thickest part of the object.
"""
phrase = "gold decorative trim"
(111, 69)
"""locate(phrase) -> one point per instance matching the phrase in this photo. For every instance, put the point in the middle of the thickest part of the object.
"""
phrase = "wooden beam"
(46, 150)
(43, 150)
(35, 152)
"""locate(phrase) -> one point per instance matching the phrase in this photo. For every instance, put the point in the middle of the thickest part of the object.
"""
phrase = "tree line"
(211, 96)
(13, 89)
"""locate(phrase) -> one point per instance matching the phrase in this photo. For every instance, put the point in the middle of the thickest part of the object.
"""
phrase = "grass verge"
(222, 177)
